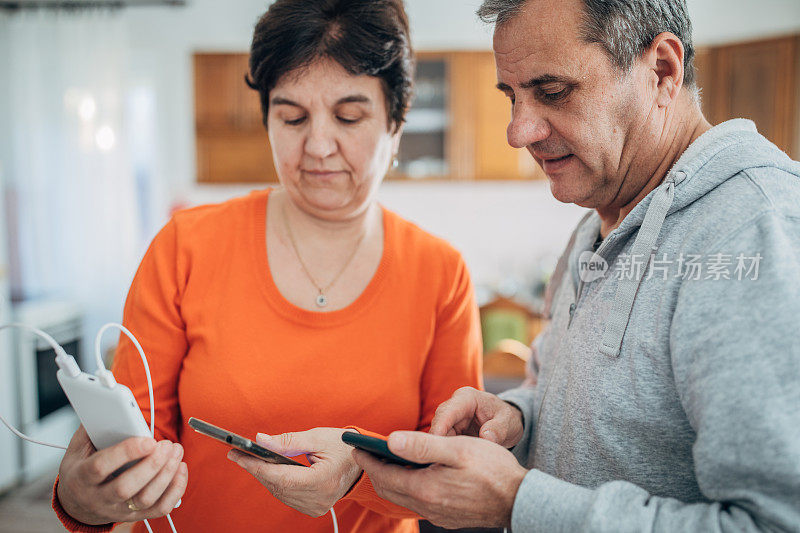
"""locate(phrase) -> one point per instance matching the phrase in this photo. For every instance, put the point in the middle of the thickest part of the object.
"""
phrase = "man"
(669, 392)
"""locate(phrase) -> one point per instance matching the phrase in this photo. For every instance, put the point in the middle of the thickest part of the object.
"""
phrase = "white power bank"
(109, 415)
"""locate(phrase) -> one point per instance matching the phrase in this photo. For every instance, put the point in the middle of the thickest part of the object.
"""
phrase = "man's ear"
(665, 58)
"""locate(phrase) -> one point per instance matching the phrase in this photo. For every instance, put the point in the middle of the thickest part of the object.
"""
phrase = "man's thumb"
(494, 431)
(422, 447)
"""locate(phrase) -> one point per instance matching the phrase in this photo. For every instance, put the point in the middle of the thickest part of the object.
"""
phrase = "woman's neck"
(310, 229)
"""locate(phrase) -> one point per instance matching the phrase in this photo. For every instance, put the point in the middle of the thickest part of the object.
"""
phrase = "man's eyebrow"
(547, 78)
(535, 82)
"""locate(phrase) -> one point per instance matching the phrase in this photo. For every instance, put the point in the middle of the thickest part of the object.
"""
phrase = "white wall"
(9, 446)
(502, 228)
(162, 41)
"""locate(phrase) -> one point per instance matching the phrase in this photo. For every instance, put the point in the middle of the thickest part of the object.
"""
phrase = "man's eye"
(346, 120)
(294, 122)
(554, 96)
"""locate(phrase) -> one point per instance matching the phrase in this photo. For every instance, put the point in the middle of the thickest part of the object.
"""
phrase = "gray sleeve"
(736, 361)
(526, 399)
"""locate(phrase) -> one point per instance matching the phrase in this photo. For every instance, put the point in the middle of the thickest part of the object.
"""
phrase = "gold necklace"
(322, 298)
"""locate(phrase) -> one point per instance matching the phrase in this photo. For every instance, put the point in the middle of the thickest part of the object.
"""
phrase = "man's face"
(582, 120)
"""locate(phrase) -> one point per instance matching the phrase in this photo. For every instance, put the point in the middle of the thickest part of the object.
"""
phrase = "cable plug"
(68, 364)
(106, 378)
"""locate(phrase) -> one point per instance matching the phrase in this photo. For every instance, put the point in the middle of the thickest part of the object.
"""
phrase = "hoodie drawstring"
(643, 246)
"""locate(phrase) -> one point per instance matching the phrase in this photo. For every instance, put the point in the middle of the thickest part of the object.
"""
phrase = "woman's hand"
(313, 490)
(90, 494)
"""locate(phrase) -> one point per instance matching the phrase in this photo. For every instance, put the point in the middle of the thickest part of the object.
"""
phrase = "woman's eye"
(294, 122)
(347, 120)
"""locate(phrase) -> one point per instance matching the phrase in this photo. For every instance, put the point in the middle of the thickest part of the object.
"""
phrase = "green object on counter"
(499, 324)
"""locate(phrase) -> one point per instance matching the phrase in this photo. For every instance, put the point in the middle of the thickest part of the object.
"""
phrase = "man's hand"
(313, 490)
(478, 414)
(473, 482)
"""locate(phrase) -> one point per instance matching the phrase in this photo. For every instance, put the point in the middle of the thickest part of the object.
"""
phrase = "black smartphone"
(240, 443)
(377, 447)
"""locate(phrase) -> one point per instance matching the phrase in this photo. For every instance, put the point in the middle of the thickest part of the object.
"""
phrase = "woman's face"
(331, 139)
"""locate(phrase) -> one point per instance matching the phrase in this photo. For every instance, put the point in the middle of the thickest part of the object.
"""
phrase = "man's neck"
(681, 131)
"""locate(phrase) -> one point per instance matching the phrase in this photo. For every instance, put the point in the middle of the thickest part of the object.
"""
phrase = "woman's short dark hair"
(364, 36)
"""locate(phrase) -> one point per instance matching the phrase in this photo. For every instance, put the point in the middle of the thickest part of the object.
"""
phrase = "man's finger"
(391, 482)
(382, 474)
(425, 448)
(461, 407)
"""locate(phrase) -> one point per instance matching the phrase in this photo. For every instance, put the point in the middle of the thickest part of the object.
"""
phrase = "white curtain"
(73, 182)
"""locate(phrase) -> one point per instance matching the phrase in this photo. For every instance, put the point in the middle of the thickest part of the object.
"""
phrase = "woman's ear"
(666, 59)
(398, 133)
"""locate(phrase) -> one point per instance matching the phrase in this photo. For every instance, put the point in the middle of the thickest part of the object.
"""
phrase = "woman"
(301, 307)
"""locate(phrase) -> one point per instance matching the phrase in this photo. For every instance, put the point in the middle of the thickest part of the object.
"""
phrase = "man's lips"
(552, 158)
(552, 164)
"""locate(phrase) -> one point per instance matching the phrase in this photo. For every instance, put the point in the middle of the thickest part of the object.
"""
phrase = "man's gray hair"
(624, 28)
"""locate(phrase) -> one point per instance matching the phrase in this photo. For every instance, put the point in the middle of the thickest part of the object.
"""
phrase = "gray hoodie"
(669, 392)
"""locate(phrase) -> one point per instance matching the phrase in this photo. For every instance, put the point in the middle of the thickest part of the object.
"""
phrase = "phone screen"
(240, 443)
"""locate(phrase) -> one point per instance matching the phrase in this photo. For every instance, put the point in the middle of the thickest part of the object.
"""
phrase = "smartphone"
(240, 443)
(377, 447)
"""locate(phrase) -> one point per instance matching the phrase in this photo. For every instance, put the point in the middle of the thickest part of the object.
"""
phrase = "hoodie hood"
(734, 146)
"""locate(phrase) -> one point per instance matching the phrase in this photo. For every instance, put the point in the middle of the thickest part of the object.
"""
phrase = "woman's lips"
(555, 164)
(323, 173)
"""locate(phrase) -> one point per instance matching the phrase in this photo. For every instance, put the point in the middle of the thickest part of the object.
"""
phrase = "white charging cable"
(63, 360)
(67, 363)
(107, 378)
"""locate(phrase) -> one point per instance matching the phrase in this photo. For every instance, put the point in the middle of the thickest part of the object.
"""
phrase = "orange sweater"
(225, 346)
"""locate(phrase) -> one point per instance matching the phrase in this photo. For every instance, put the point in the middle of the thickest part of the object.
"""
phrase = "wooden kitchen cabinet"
(455, 130)
(231, 142)
(758, 80)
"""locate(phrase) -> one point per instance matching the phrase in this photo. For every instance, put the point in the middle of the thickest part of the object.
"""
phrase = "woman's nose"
(527, 127)
(321, 141)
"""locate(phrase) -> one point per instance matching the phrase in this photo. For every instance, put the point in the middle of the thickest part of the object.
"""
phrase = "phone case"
(109, 415)
(240, 443)
(378, 447)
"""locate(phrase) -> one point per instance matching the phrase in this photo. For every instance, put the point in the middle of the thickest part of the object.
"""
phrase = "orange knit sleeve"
(454, 361)
(152, 314)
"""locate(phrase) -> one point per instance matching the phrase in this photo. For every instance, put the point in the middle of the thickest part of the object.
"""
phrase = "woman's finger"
(169, 498)
(130, 482)
(293, 444)
(99, 466)
(150, 494)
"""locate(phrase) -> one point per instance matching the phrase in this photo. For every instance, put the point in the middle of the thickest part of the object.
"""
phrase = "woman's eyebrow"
(278, 100)
(353, 98)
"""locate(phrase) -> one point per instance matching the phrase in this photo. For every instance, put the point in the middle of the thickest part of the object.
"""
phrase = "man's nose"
(321, 141)
(527, 127)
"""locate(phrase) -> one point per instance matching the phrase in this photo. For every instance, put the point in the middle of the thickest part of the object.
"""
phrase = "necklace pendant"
(322, 300)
